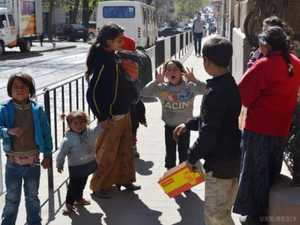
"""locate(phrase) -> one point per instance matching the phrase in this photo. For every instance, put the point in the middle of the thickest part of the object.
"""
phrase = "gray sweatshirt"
(78, 147)
(177, 101)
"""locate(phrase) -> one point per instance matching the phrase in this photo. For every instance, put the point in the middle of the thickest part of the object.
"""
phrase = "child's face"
(78, 125)
(20, 92)
(116, 44)
(173, 73)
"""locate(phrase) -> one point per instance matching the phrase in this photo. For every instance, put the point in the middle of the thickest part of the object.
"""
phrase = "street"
(45, 67)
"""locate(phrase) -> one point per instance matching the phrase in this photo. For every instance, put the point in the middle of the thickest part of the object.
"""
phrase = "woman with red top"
(269, 91)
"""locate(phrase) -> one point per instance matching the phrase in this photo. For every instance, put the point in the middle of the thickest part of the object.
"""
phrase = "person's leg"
(13, 181)
(183, 146)
(219, 197)
(72, 191)
(195, 43)
(170, 159)
(80, 187)
(31, 189)
(200, 43)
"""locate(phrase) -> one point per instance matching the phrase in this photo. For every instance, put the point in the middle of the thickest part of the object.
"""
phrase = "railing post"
(47, 110)
(1, 174)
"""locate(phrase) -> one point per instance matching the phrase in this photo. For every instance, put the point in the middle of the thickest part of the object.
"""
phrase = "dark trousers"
(75, 190)
(197, 42)
(183, 146)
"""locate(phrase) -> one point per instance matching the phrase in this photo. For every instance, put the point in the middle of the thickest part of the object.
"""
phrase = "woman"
(269, 91)
(110, 95)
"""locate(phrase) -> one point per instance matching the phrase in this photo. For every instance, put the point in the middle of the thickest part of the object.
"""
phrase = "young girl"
(78, 145)
(110, 95)
(26, 133)
(177, 99)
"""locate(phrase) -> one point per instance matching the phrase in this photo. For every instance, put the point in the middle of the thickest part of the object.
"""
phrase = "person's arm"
(98, 129)
(97, 92)
(210, 129)
(3, 126)
(141, 109)
(251, 85)
(150, 90)
(62, 153)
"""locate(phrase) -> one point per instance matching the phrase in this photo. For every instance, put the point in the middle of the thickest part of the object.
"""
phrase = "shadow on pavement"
(191, 209)
(125, 207)
(143, 167)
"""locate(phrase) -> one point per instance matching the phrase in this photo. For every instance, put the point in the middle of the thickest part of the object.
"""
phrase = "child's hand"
(160, 78)
(46, 163)
(144, 124)
(108, 123)
(17, 131)
(189, 75)
(191, 167)
(60, 170)
(178, 131)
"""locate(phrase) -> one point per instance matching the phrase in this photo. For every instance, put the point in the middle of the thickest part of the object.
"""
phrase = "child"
(219, 137)
(177, 99)
(78, 145)
(110, 96)
(26, 133)
(131, 64)
(137, 114)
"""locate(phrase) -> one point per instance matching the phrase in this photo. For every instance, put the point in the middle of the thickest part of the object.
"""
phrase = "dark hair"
(109, 31)
(275, 21)
(277, 39)
(176, 62)
(74, 115)
(218, 50)
(26, 79)
(199, 13)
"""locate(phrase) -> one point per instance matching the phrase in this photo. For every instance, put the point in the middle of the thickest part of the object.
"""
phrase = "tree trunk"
(74, 12)
(85, 13)
(49, 28)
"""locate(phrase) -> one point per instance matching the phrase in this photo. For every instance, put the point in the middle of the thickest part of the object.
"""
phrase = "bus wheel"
(25, 45)
(1, 48)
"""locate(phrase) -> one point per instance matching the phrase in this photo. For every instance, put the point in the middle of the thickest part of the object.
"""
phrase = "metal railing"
(69, 95)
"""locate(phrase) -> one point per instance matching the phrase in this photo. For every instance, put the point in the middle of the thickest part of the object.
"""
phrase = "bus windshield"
(118, 12)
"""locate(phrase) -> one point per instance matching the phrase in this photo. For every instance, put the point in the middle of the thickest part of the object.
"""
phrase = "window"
(11, 20)
(118, 12)
(2, 18)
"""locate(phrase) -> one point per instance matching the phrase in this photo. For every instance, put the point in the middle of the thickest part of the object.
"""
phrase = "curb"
(6, 57)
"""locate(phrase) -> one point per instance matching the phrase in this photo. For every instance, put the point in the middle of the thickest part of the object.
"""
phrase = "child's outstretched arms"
(160, 76)
(189, 74)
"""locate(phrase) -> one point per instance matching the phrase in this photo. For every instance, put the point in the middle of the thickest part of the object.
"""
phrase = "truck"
(21, 21)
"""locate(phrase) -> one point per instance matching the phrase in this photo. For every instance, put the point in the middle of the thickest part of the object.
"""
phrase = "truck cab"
(8, 33)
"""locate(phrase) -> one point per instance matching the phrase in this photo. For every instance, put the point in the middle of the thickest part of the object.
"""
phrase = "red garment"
(270, 94)
(129, 43)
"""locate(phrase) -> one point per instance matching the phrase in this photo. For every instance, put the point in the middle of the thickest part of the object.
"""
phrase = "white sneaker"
(135, 152)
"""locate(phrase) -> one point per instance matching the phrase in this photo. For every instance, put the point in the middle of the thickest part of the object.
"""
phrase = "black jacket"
(219, 135)
(110, 92)
(137, 114)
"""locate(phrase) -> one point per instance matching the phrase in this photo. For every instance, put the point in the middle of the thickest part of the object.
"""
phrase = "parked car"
(167, 31)
(71, 32)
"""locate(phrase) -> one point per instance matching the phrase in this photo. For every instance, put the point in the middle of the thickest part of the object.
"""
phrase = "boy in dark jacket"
(219, 137)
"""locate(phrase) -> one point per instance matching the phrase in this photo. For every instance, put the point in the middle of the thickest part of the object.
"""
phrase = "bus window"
(145, 16)
(118, 12)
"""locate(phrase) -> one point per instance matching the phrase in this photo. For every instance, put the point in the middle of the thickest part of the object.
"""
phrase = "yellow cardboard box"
(180, 179)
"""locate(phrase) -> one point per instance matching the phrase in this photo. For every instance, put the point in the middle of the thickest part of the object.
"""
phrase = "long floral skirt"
(260, 166)
(115, 156)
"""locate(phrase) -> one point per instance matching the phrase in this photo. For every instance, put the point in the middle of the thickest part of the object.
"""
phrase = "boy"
(219, 137)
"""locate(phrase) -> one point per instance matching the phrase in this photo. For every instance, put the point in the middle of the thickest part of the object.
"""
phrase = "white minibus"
(138, 19)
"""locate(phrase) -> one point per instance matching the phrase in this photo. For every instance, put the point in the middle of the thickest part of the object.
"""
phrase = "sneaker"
(69, 209)
(135, 152)
(82, 201)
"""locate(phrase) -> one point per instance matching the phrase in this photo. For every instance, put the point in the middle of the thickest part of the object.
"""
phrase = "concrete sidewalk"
(148, 206)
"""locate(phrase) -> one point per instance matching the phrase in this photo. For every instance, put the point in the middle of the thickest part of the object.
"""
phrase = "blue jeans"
(197, 42)
(14, 176)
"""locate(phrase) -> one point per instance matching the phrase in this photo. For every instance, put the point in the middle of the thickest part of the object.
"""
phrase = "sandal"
(69, 209)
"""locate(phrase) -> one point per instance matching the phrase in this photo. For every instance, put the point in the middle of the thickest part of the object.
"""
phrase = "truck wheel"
(91, 35)
(25, 46)
(1, 48)
(69, 38)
